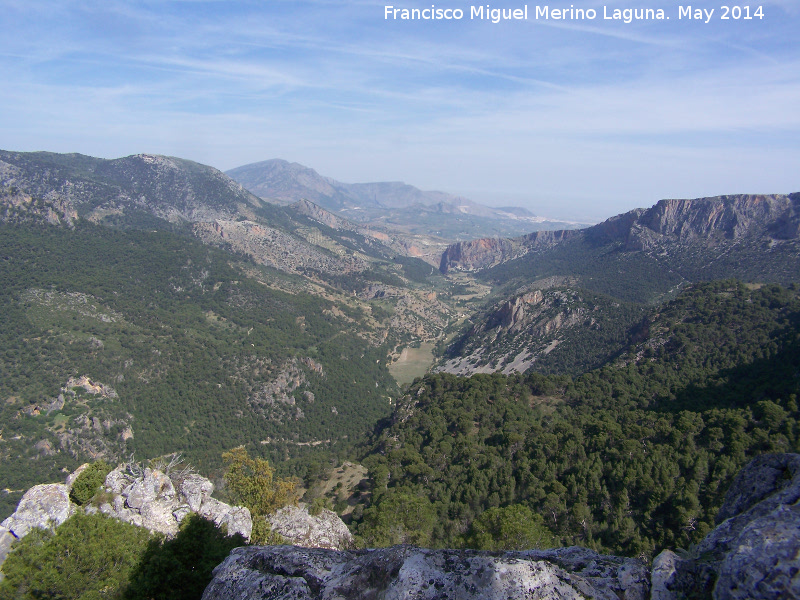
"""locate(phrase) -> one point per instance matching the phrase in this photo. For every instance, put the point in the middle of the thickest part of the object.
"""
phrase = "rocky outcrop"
(154, 501)
(517, 332)
(754, 552)
(717, 220)
(480, 254)
(477, 254)
(43, 506)
(281, 572)
(276, 248)
(149, 499)
(299, 528)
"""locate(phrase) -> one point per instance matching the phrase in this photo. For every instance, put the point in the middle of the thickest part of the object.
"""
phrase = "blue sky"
(568, 118)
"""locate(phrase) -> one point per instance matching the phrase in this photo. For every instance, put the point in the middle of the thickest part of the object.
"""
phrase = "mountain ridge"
(729, 216)
(394, 203)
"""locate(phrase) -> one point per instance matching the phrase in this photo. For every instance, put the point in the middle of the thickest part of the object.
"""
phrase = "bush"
(88, 556)
(514, 527)
(89, 482)
(252, 483)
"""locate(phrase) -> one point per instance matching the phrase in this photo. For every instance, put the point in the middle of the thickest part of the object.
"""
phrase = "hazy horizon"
(587, 117)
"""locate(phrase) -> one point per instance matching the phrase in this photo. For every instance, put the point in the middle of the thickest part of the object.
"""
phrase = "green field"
(413, 363)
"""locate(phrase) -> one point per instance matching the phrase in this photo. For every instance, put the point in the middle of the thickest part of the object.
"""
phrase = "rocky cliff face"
(753, 554)
(709, 222)
(713, 219)
(516, 333)
(158, 502)
(484, 253)
(755, 550)
(400, 572)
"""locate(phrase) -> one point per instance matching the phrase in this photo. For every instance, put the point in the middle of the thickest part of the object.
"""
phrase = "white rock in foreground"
(401, 572)
(299, 528)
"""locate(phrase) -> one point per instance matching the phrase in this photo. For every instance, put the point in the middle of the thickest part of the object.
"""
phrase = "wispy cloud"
(644, 110)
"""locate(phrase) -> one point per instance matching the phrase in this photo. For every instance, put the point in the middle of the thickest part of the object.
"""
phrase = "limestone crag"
(43, 506)
(720, 220)
(715, 220)
(517, 332)
(299, 528)
(148, 498)
(400, 572)
(153, 500)
(480, 254)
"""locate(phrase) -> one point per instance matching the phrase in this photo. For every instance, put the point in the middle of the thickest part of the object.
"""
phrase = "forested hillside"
(119, 342)
(629, 458)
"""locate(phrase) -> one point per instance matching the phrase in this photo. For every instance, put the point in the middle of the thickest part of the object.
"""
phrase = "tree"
(89, 482)
(398, 518)
(252, 483)
(514, 527)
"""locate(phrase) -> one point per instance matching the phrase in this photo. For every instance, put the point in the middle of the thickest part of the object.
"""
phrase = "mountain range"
(394, 205)
(569, 299)
(154, 305)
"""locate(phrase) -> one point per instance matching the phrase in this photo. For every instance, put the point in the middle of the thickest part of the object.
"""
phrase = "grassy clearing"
(412, 363)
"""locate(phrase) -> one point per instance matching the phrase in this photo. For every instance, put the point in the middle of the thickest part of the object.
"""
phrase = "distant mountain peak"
(388, 203)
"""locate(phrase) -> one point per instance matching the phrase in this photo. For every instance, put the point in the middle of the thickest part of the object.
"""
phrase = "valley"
(611, 379)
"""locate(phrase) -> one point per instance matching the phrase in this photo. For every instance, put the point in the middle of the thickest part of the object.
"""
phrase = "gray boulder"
(299, 528)
(154, 486)
(43, 506)
(400, 572)
(235, 518)
(6, 539)
(196, 489)
(151, 500)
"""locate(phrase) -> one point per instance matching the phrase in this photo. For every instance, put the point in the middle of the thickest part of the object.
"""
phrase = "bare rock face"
(195, 490)
(282, 572)
(475, 255)
(299, 528)
(755, 550)
(151, 500)
(43, 506)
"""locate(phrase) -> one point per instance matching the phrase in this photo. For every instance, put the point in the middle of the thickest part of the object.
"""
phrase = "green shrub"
(88, 556)
(514, 527)
(89, 482)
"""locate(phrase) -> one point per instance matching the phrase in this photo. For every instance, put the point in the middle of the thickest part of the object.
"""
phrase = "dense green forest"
(629, 458)
(187, 347)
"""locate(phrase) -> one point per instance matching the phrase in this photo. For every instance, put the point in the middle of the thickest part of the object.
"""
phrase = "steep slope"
(642, 255)
(165, 193)
(549, 328)
(117, 191)
(149, 342)
(638, 258)
(629, 458)
(388, 204)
